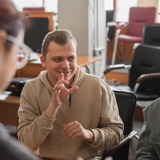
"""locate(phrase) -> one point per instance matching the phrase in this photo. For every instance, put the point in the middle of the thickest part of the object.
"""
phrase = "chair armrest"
(126, 139)
(111, 151)
(109, 24)
(142, 78)
(116, 66)
(121, 24)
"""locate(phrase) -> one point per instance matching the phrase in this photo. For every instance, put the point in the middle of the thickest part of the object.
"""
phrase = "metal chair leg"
(115, 46)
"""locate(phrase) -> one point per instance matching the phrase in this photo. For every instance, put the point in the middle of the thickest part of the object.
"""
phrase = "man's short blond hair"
(60, 36)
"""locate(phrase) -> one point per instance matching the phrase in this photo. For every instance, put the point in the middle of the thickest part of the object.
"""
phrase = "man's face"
(61, 59)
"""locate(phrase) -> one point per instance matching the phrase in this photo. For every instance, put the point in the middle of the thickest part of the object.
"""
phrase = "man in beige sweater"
(65, 113)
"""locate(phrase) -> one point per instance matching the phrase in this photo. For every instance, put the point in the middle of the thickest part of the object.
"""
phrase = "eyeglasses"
(23, 53)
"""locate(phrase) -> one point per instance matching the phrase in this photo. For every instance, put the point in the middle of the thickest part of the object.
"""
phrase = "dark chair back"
(126, 104)
(145, 60)
(35, 34)
(110, 17)
(151, 34)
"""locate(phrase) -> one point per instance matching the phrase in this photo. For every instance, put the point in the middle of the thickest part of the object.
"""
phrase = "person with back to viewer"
(148, 147)
(65, 113)
(12, 26)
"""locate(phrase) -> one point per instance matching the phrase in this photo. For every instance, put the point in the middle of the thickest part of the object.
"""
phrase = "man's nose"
(65, 64)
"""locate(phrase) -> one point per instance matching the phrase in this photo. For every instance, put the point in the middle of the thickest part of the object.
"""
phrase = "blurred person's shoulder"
(152, 114)
(153, 107)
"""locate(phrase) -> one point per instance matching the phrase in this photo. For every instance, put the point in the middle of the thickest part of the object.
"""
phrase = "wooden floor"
(121, 77)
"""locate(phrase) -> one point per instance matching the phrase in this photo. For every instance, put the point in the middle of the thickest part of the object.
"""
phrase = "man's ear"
(42, 61)
(3, 36)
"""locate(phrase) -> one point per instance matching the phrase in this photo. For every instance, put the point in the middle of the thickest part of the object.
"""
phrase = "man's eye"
(71, 58)
(57, 59)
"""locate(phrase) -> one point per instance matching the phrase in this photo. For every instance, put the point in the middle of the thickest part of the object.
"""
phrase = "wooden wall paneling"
(9, 108)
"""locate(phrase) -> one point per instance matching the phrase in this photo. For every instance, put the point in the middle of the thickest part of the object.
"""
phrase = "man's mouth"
(64, 72)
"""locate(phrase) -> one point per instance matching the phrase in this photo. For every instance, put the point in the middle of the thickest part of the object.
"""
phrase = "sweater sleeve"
(34, 127)
(110, 128)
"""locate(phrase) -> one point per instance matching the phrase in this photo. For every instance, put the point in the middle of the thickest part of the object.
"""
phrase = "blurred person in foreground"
(148, 147)
(12, 27)
(65, 112)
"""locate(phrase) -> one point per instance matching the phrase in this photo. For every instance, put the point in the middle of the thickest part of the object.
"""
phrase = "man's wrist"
(90, 137)
(51, 111)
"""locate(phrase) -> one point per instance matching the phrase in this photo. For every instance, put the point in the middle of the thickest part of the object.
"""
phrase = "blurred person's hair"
(60, 37)
(11, 21)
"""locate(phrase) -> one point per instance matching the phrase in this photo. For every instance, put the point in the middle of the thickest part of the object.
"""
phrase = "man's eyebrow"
(72, 56)
(56, 57)
(62, 57)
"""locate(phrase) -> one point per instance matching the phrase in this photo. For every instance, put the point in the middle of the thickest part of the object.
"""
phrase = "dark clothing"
(10, 149)
(148, 147)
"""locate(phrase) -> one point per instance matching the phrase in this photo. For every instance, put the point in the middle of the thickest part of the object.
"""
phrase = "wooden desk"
(33, 68)
(9, 104)
(8, 109)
